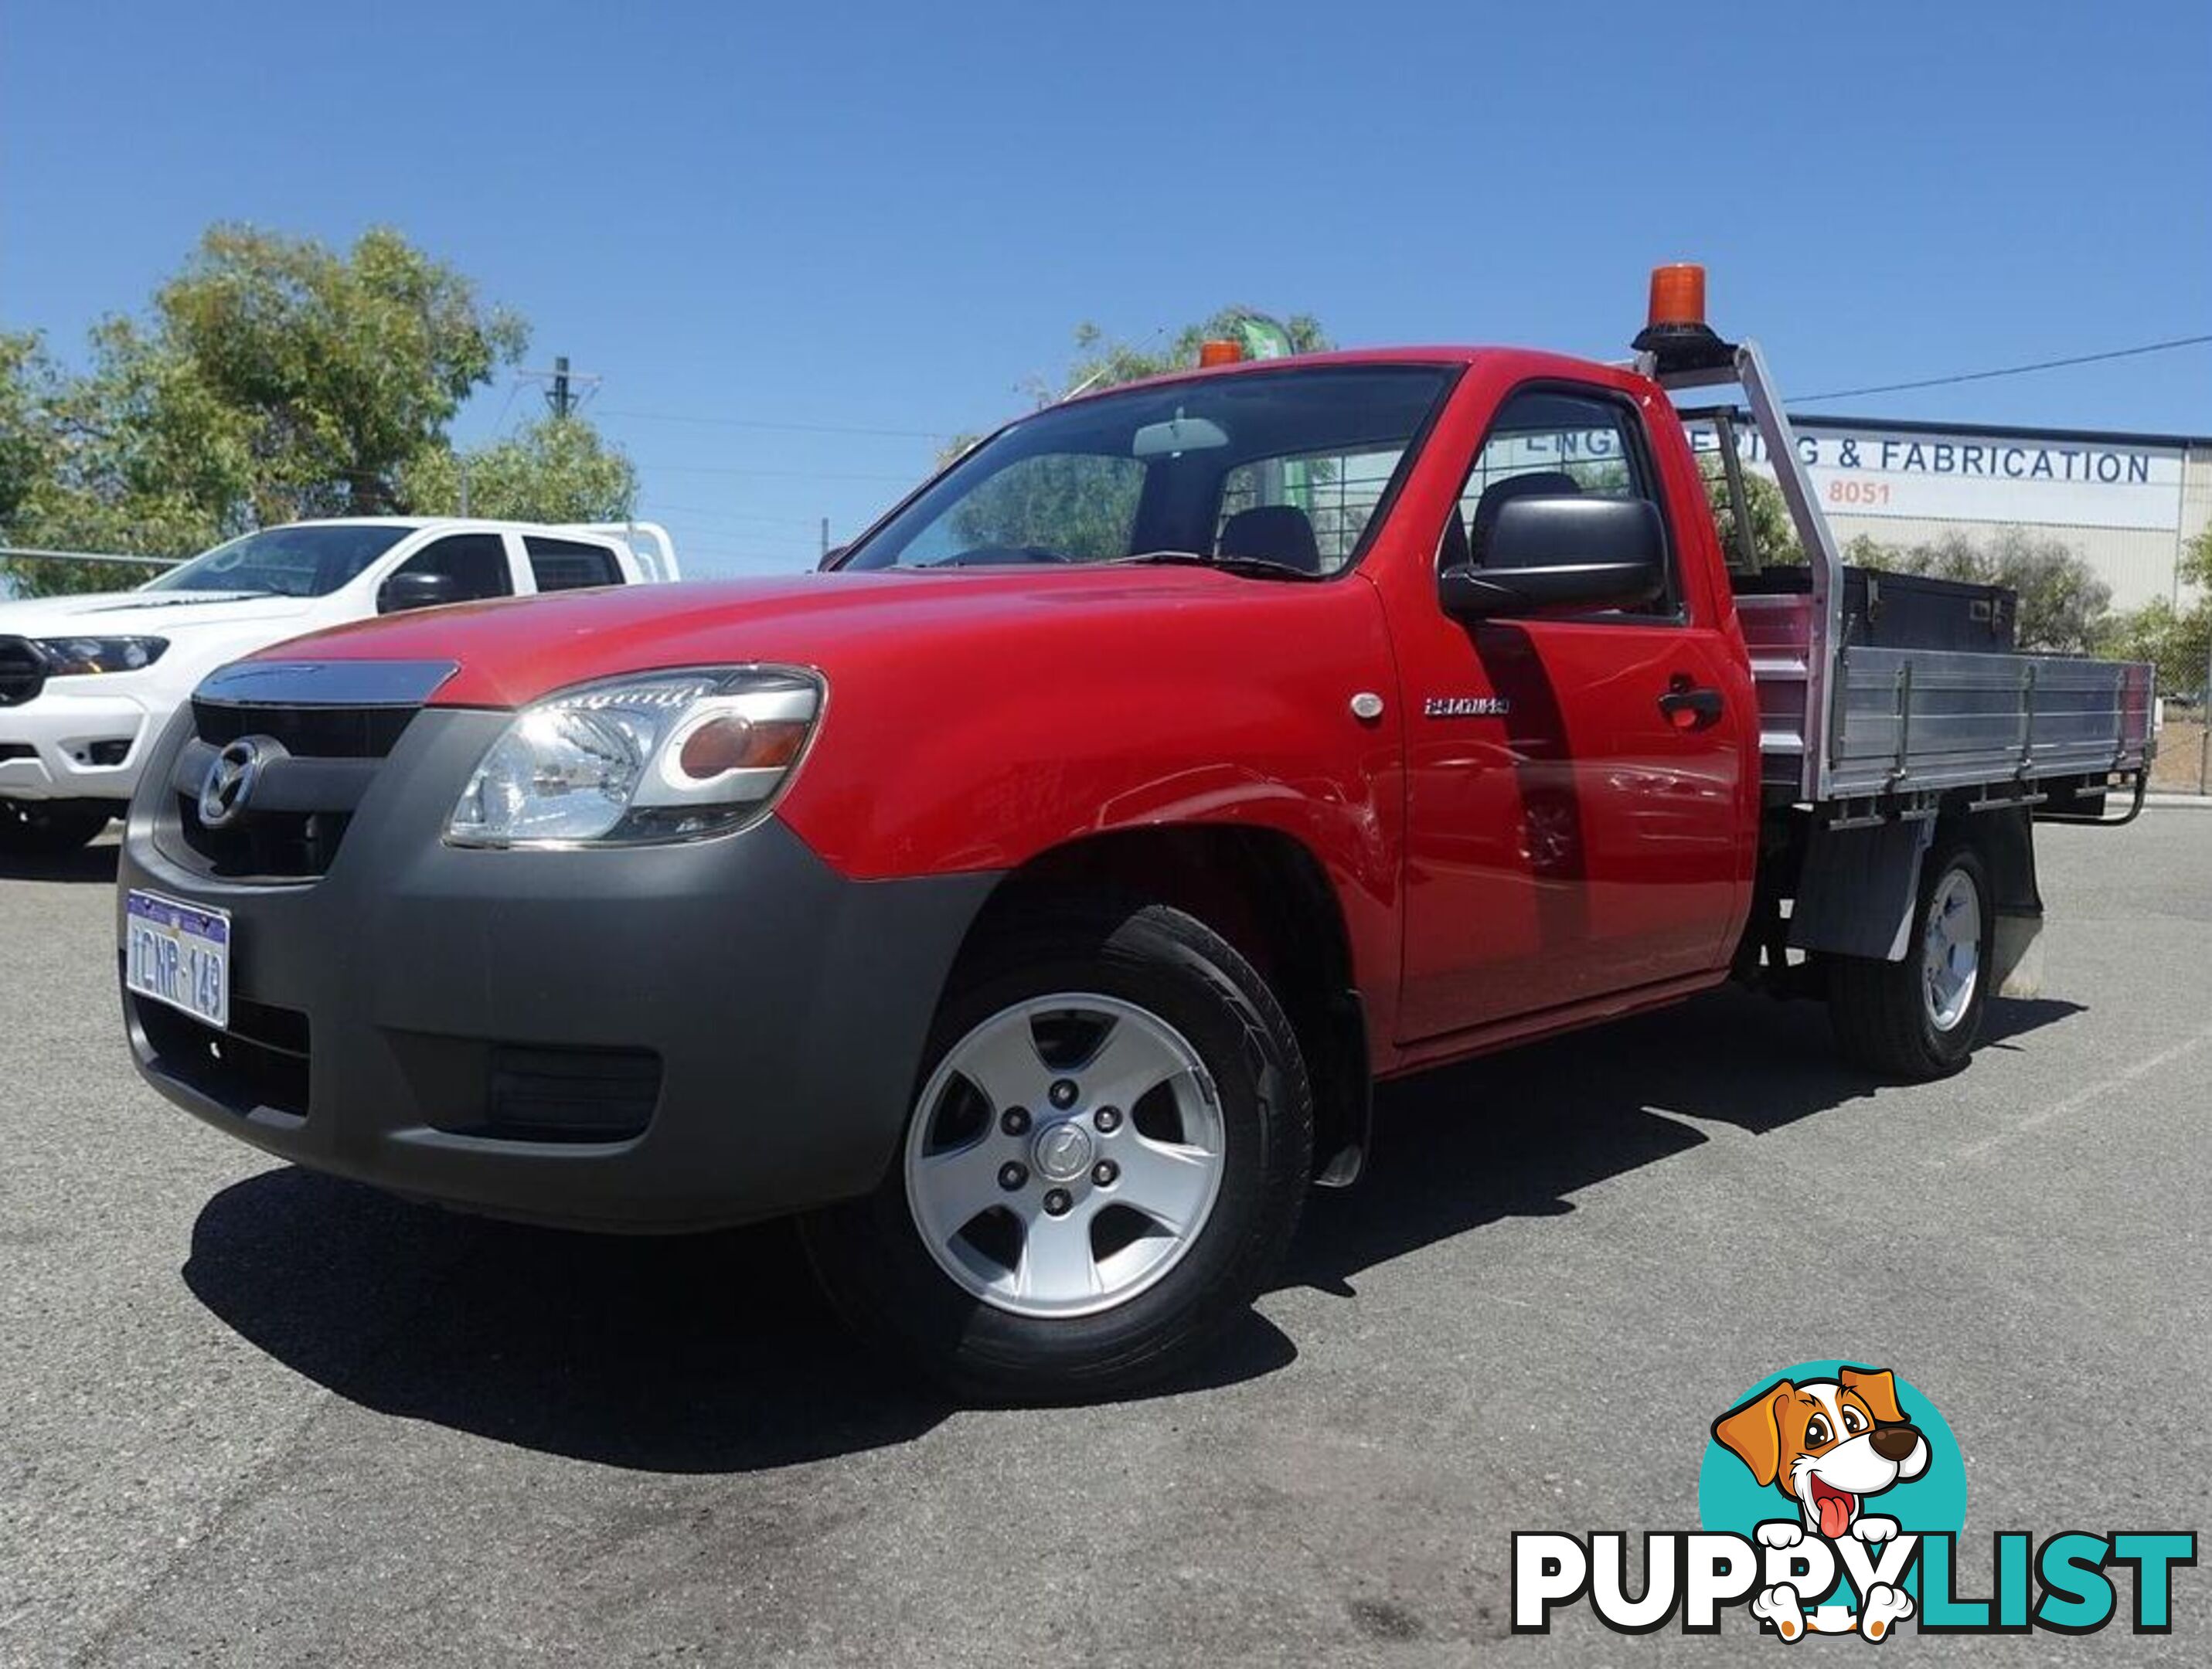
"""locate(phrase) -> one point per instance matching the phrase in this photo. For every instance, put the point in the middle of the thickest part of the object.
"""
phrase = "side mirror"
(1547, 552)
(831, 557)
(405, 591)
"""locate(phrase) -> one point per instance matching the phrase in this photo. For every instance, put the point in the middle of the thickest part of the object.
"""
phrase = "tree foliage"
(1773, 535)
(27, 440)
(132, 456)
(1084, 507)
(273, 379)
(343, 369)
(1101, 362)
(2176, 640)
(1104, 361)
(558, 470)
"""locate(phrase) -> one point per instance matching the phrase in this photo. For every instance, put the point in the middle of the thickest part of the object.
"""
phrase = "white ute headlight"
(653, 756)
(68, 657)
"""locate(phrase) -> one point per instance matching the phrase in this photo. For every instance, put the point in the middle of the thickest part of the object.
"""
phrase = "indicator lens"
(733, 743)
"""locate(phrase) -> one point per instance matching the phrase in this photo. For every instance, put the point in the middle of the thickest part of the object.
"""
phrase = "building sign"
(2052, 482)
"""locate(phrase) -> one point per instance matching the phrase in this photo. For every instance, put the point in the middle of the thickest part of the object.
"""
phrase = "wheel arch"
(1265, 892)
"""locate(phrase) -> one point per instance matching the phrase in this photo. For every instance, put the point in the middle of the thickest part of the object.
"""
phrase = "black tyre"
(43, 828)
(1109, 1145)
(1920, 1018)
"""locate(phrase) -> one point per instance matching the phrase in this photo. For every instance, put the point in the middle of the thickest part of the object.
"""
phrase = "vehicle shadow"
(2015, 1018)
(1515, 1134)
(703, 1353)
(715, 1353)
(94, 863)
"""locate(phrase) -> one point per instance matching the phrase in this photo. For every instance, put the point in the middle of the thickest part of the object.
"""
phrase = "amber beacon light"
(1676, 329)
(1219, 352)
(1678, 295)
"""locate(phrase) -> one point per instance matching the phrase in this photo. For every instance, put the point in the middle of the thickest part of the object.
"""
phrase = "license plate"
(179, 954)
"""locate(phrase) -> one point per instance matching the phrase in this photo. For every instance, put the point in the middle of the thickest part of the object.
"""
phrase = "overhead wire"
(2005, 371)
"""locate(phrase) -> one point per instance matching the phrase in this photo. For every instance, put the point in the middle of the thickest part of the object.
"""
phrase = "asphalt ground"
(251, 1416)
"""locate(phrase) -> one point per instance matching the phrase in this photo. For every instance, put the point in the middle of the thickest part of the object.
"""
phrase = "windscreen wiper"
(1000, 556)
(1257, 567)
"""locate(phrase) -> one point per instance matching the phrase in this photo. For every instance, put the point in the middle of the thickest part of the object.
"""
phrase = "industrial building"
(2126, 503)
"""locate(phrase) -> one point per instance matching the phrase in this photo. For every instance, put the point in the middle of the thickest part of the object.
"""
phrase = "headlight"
(653, 756)
(68, 656)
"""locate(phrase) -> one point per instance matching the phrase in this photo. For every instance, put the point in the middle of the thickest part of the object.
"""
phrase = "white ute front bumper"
(74, 744)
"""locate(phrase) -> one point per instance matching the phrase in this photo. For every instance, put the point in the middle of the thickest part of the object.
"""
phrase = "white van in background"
(87, 682)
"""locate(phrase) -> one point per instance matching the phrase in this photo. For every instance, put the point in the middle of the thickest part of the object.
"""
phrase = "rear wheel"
(49, 829)
(1105, 1160)
(1920, 1017)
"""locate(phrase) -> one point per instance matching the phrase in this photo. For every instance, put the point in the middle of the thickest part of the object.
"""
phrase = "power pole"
(825, 535)
(565, 390)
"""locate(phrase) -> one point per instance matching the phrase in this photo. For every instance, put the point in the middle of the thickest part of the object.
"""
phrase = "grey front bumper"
(785, 1007)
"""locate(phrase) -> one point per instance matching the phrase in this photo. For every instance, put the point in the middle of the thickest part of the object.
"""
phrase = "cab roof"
(422, 524)
(1461, 354)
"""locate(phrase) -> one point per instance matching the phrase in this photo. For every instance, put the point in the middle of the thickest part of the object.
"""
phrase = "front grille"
(298, 840)
(270, 846)
(261, 1062)
(309, 732)
(22, 671)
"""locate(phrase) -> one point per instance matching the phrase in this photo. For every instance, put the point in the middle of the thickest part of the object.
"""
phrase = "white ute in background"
(87, 683)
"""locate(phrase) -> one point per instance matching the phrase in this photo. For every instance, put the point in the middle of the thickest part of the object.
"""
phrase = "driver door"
(1570, 836)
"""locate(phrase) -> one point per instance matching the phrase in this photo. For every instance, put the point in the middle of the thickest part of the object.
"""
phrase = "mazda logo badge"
(1063, 1151)
(230, 781)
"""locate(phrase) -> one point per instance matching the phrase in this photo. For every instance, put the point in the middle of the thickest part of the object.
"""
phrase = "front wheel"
(50, 829)
(1104, 1162)
(1920, 1017)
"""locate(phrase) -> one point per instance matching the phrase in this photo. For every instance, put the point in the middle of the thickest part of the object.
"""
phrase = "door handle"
(1688, 707)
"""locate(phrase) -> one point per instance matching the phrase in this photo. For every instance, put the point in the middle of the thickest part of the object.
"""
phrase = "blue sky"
(765, 227)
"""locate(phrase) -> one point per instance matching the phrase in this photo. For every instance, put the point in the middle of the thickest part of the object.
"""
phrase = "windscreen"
(311, 560)
(1283, 466)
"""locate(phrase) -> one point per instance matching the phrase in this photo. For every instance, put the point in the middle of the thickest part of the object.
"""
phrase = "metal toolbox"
(1907, 610)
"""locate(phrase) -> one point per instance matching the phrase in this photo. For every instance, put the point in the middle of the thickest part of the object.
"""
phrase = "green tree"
(1084, 507)
(1101, 362)
(28, 449)
(556, 471)
(274, 378)
(2175, 641)
(132, 457)
(1773, 535)
(346, 368)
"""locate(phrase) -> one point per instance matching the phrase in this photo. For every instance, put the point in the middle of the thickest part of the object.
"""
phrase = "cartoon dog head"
(1826, 1444)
